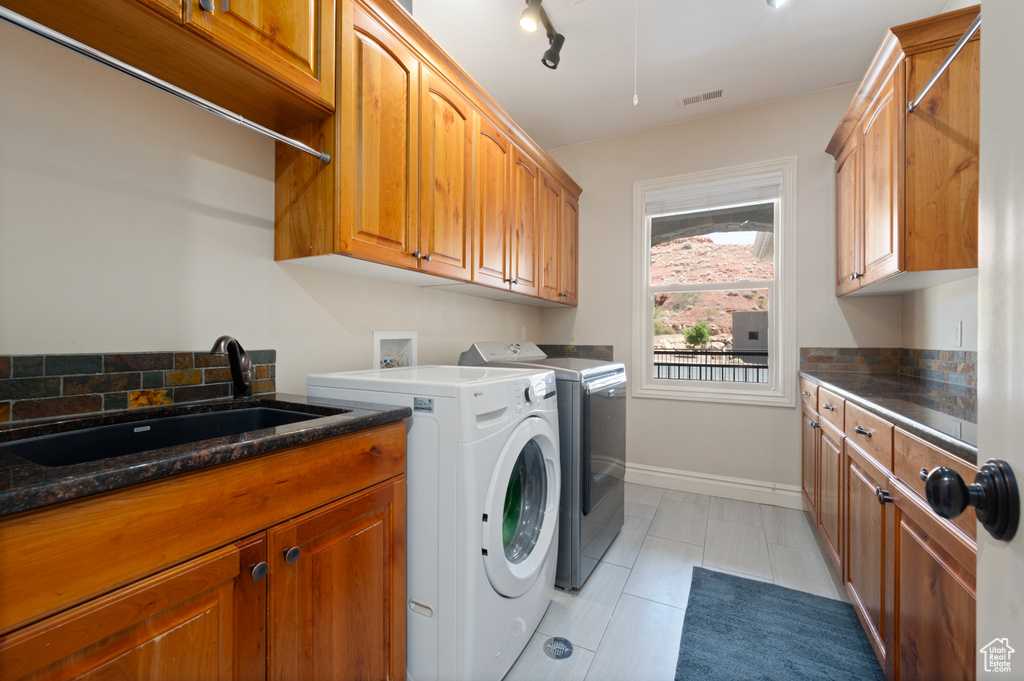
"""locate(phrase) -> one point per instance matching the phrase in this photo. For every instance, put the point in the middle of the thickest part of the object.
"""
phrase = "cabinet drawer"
(830, 406)
(872, 434)
(911, 454)
(809, 394)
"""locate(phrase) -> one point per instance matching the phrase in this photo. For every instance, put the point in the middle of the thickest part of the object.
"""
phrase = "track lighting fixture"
(776, 3)
(530, 18)
(551, 57)
(534, 16)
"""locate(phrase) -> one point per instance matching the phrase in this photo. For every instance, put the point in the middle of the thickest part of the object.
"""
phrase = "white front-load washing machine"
(483, 480)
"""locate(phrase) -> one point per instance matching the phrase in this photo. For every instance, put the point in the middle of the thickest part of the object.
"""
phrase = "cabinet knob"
(861, 431)
(855, 276)
(563, 294)
(292, 554)
(883, 496)
(420, 256)
(806, 394)
(828, 406)
(259, 570)
(815, 425)
(924, 473)
(994, 496)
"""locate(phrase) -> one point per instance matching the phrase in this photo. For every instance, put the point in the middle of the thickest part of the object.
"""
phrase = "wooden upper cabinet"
(286, 38)
(942, 161)
(379, 110)
(880, 135)
(523, 232)
(446, 162)
(204, 619)
(568, 257)
(907, 182)
(550, 238)
(338, 597)
(849, 235)
(491, 169)
(269, 61)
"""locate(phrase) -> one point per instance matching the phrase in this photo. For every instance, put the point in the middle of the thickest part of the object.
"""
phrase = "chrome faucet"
(241, 365)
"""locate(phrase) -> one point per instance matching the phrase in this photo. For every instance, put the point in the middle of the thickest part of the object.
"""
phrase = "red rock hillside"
(696, 260)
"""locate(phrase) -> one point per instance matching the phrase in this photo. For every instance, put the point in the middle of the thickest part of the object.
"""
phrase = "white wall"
(676, 443)
(929, 316)
(130, 221)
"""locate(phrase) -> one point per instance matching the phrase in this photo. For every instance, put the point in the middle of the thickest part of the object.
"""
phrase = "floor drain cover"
(557, 648)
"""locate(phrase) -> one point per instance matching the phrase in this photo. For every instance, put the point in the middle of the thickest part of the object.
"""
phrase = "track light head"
(530, 19)
(551, 56)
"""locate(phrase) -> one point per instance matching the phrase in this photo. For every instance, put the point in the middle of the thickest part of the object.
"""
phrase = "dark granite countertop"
(905, 402)
(26, 486)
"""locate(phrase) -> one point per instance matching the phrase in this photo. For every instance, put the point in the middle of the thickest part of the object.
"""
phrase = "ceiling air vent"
(697, 99)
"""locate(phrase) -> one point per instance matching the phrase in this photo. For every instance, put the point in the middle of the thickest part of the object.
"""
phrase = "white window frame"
(704, 190)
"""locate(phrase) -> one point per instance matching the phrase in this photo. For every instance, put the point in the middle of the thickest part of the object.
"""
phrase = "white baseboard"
(757, 491)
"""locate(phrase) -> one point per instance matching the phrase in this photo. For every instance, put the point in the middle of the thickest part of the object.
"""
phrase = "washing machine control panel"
(533, 392)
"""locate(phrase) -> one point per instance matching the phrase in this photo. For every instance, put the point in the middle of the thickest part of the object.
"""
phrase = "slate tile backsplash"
(602, 352)
(949, 378)
(45, 386)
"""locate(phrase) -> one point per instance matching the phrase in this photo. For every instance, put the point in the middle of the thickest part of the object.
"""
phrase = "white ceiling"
(754, 53)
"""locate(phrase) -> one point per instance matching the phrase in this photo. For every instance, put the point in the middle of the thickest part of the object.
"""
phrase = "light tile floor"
(626, 621)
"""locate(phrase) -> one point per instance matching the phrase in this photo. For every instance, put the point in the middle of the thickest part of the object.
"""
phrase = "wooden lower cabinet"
(830, 510)
(868, 565)
(340, 604)
(201, 620)
(936, 596)
(809, 461)
(318, 594)
(909, 575)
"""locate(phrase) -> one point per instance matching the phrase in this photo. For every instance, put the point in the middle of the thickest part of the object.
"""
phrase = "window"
(713, 298)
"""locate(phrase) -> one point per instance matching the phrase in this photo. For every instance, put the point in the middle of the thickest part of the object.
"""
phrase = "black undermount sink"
(105, 442)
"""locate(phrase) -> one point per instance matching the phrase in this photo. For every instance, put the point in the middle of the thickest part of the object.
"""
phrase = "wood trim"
(145, 528)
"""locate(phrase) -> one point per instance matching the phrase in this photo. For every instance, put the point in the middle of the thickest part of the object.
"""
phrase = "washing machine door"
(521, 508)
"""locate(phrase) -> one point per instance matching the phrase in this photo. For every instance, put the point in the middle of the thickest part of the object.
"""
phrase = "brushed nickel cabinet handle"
(861, 431)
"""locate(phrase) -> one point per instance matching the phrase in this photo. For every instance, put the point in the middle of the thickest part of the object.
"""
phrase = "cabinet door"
(446, 162)
(935, 596)
(294, 40)
(881, 151)
(523, 231)
(337, 611)
(831, 457)
(942, 161)
(379, 110)
(809, 462)
(550, 238)
(568, 252)
(492, 153)
(204, 619)
(868, 568)
(849, 221)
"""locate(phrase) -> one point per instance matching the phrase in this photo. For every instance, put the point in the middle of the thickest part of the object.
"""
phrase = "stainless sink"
(104, 442)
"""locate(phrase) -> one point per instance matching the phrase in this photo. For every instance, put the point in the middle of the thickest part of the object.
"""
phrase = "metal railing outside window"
(739, 366)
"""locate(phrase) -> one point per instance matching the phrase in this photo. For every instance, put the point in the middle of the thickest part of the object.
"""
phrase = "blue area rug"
(738, 628)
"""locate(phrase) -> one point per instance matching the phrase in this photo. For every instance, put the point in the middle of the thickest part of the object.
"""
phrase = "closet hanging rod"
(138, 74)
(971, 30)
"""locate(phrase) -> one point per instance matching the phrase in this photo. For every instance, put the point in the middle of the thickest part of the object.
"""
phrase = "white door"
(521, 508)
(1001, 316)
